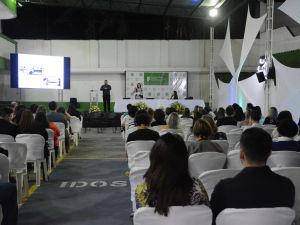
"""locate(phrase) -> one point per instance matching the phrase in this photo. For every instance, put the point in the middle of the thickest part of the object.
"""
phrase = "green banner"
(11, 5)
(156, 78)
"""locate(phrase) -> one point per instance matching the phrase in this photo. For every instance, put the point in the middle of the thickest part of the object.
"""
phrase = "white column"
(211, 67)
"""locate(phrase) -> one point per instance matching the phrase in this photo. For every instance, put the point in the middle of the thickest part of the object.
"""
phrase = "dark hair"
(221, 113)
(284, 115)
(170, 110)
(20, 107)
(18, 116)
(287, 128)
(128, 106)
(168, 179)
(207, 109)
(249, 106)
(61, 109)
(52, 105)
(257, 144)
(197, 116)
(159, 115)
(186, 113)
(33, 108)
(142, 117)
(41, 119)
(26, 120)
(5, 111)
(132, 111)
(41, 108)
(229, 110)
(202, 129)
(175, 94)
(255, 115)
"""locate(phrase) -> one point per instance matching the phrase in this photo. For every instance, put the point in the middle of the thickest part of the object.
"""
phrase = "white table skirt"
(120, 104)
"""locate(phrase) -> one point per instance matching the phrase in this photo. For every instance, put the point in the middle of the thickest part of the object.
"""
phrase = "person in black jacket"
(106, 95)
(6, 127)
(228, 119)
(256, 186)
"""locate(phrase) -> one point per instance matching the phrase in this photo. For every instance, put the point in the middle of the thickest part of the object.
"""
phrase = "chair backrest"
(17, 153)
(185, 123)
(172, 131)
(293, 174)
(226, 128)
(141, 159)
(257, 216)
(233, 160)
(269, 130)
(133, 147)
(75, 124)
(50, 138)
(223, 143)
(7, 137)
(284, 159)
(178, 215)
(62, 129)
(35, 145)
(233, 138)
(204, 161)
(4, 168)
(211, 178)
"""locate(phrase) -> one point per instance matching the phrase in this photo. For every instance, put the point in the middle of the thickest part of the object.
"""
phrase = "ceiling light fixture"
(213, 12)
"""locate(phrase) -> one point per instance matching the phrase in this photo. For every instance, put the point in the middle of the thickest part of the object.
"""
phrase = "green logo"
(156, 79)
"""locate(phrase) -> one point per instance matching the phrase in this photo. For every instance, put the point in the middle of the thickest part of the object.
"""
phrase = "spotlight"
(213, 12)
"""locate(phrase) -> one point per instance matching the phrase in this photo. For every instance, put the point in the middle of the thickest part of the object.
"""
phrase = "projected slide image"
(40, 71)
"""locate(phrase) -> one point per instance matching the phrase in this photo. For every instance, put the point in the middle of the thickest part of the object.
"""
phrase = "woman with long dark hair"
(168, 181)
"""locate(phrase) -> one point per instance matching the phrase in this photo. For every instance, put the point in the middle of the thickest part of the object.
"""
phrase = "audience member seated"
(256, 186)
(6, 127)
(281, 116)
(142, 122)
(228, 119)
(151, 114)
(54, 116)
(246, 121)
(186, 113)
(169, 110)
(272, 116)
(172, 125)
(28, 125)
(255, 117)
(287, 130)
(33, 109)
(196, 110)
(208, 111)
(215, 134)
(202, 133)
(17, 114)
(62, 111)
(72, 111)
(128, 121)
(41, 119)
(238, 114)
(249, 106)
(159, 118)
(8, 202)
(168, 181)
(125, 116)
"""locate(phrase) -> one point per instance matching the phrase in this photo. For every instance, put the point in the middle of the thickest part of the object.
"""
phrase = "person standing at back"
(106, 95)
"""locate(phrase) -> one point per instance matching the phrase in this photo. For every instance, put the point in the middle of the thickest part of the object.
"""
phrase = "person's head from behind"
(151, 113)
(33, 108)
(41, 119)
(142, 118)
(168, 179)
(255, 116)
(212, 124)
(229, 110)
(5, 113)
(196, 108)
(221, 113)
(186, 112)
(284, 115)
(207, 109)
(41, 108)
(197, 116)
(273, 113)
(249, 106)
(132, 111)
(169, 110)
(175, 94)
(159, 115)
(173, 120)
(202, 130)
(128, 107)
(61, 110)
(105, 82)
(255, 147)
(287, 128)
(52, 106)
(26, 120)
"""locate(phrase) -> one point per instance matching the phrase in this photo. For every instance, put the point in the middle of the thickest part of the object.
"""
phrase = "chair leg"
(38, 173)
(53, 158)
(49, 161)
(60, 148)
(45, 169)
(26, 185)
(19, 187)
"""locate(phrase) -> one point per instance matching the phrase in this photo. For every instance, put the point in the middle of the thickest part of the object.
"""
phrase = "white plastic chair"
(62, 136)
(204, 161)
(136, 177)
(293, 174)
(52, 157)
(6, 138)
(133, 147)
(178, 215)
(172, 131)
(75, 124)
(4, 168)
(233, 160)
(185, 123)
(284, 159)
(226, 128)
(223, 143)
(141, 159)
(211, 178)
(233, 138)
(35, 153)
(269, 130)
(257, 216)
(17, 153)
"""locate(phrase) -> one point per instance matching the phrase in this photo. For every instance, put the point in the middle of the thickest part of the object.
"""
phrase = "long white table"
(120, 104)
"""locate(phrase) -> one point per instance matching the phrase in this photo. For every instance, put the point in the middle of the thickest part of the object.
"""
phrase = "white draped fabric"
(292, 9)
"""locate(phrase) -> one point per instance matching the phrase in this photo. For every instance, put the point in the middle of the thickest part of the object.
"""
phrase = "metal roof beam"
(167, 7)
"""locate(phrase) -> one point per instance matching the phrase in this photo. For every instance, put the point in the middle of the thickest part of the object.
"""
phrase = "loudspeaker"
(260, 77)
(272, 74)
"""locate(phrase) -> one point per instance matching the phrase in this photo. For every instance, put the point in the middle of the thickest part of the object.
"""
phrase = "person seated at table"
(202, 133)
(168, 182)
(174, 95)
(172, 125)
(138, 91)
(159, 118)
(128, 121)
(143, 133)
(6, 127)
(287, 130)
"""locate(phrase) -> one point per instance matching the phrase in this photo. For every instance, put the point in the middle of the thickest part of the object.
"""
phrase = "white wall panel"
(93, 54)
(6, 48)
(108, 53)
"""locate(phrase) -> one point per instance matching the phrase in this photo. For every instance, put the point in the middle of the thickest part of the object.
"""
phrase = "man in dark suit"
(6, 127)
(256, 186)
(106, 95)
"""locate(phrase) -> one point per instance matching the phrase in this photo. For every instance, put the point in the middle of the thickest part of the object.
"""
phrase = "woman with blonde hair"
(215, 134)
